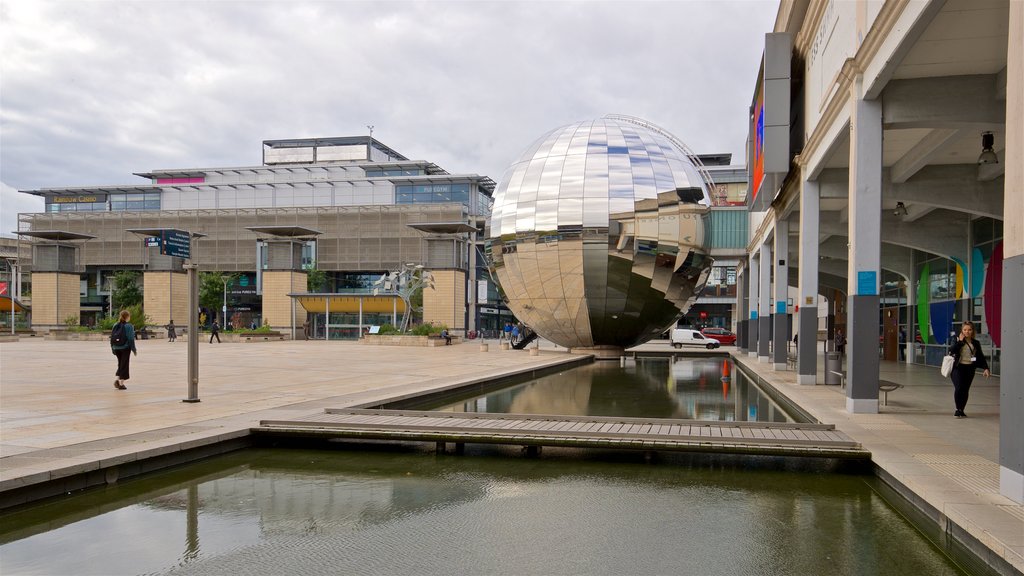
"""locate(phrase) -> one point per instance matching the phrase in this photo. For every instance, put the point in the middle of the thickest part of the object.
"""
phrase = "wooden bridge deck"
(534, 430)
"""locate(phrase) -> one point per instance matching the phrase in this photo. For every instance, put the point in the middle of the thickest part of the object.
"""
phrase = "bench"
(885, 386)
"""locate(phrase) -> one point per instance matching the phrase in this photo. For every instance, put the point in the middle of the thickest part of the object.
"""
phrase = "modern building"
(886, 177)
(726, 238)
(351, 207)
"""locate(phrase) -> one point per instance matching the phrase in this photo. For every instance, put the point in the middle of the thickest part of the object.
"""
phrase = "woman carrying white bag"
(967, 356)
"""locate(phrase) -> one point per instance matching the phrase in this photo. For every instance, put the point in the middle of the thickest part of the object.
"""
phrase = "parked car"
(723, 336)
(682, 336)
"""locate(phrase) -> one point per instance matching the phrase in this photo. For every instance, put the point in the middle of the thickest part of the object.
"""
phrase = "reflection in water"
(316, 512)
(688, 388)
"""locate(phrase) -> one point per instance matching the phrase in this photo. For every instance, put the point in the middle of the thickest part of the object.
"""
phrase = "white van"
(681, 336)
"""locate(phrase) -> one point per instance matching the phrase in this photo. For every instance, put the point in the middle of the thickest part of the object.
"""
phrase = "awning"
(5, 305)
(341, 303)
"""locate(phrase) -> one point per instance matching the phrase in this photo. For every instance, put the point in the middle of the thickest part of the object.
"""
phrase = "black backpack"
(118, 336)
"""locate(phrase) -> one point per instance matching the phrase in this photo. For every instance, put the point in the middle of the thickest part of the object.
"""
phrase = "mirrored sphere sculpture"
(597, 233)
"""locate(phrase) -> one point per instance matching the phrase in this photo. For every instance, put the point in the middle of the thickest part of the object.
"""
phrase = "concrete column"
(1011, 383)
(911, 316)
(753, 284)
(743, 307)
(865, 252)
(807, 354)
(764, 304)
(780, 316)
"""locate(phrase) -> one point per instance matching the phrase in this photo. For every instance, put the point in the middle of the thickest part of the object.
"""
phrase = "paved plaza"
(60, 413)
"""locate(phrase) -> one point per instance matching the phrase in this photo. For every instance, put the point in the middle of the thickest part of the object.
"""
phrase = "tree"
(125, 291)
(316, 279)
(211, 289)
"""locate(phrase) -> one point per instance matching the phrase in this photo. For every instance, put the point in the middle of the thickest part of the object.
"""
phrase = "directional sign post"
(176, 243)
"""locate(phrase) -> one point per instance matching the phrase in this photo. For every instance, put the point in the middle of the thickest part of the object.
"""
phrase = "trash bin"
(833, 364)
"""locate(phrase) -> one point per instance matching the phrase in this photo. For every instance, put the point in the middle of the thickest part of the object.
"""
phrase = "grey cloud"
(92, 92)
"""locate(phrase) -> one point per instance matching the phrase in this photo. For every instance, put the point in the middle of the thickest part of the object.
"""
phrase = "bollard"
(534, 351)
(504, 345)
(483, 347)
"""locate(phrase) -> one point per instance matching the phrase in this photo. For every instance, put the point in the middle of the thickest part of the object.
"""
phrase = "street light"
(224, 311)
(10, 289)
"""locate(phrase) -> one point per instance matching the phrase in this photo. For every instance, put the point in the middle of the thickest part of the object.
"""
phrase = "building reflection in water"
(686, 388)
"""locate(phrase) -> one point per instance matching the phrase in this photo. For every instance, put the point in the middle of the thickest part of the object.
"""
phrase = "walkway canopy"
(5, 305)
(318, 303)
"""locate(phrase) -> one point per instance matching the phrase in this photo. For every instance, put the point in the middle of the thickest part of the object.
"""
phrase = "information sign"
(175, 243)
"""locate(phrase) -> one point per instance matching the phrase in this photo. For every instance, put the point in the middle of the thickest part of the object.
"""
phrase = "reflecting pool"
(687, 388)
(303, 511)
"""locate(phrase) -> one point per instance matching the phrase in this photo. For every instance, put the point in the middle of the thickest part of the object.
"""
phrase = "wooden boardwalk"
(536, 430)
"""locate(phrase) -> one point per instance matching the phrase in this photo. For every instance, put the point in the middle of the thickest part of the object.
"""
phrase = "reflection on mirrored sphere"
(597, 234)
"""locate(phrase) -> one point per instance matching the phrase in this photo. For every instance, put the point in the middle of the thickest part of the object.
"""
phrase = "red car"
(723, 336)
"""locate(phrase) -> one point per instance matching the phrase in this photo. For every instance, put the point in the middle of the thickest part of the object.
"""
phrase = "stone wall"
(446, 303)
(165, 297)
(55, 296)
(277, 306)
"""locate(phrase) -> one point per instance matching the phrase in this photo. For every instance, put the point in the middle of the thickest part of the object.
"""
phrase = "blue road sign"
(175, 243)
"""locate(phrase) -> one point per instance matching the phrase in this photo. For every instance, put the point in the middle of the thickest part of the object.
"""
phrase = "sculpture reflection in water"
(597, 233)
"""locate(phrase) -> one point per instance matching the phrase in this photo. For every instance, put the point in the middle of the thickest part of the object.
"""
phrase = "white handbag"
(947, 366)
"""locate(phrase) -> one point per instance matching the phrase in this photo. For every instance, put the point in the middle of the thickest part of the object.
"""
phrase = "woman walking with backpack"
(122, 344)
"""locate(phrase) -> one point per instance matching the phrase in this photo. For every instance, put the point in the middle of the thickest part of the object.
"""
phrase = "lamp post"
(10, 289)
(224, 309)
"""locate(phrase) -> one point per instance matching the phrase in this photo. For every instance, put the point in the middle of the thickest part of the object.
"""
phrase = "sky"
(93, 91)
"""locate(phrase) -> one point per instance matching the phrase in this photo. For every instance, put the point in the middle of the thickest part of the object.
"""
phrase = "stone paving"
(60, 413)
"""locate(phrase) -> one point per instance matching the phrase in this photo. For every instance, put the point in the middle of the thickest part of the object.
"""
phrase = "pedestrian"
(967, 358)
(507, 331)
(215, 332)
(903, 345)
(840, 341)
(305, 330)
(514, 337)
(122, 344)
(171, 334)
(447, 337)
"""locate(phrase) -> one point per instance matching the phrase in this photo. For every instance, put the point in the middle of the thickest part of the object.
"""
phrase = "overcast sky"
(91, 92)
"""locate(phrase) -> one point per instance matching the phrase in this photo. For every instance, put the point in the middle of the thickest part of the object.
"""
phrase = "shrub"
(428, 329)
(388, 329)
(71, 321)
(106, 323)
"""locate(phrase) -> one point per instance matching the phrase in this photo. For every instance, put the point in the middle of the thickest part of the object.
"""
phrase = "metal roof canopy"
(442, 227)
(55, 235)
(317, 302)
(156, 232)
(284, 231)
(333, 141)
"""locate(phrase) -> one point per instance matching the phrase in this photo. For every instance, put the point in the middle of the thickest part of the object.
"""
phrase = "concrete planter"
(406, 340)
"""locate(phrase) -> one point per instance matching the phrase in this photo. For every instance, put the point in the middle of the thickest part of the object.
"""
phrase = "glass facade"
(431, 193)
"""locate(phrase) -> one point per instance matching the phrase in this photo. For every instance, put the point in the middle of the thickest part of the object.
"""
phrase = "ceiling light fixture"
(901, 210)
(988, 156)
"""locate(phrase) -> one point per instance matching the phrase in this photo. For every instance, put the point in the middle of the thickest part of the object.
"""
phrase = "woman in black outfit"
(967, 357)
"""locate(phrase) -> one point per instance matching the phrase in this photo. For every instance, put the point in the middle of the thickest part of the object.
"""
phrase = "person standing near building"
(507, 331)
(840, 341)
(171, 333)
(967, 357)
(215, 332)
(122, 344)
